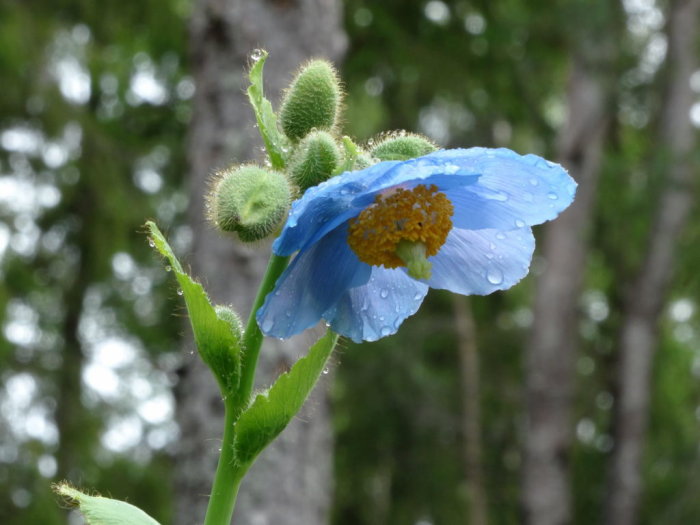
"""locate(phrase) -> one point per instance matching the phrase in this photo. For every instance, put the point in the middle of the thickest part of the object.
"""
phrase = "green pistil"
(413, 254)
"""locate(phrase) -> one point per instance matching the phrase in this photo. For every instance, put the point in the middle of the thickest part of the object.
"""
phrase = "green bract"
(312, 100)
(250, 201)
(314, 160)
(402, 147)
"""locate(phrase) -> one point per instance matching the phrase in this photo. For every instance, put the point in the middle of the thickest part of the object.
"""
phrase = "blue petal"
(377, 308)
(312, 283)
(340, 198)
(478, 262)
(513, 190)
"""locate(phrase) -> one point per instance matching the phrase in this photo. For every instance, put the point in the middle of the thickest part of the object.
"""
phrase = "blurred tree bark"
(551, 352)
(469, 375)
(639, 335)
(292, 481)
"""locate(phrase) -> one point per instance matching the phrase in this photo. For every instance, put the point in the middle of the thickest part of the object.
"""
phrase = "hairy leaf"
(104, 511)
(272, 410)
(265, 116)
(218, 340)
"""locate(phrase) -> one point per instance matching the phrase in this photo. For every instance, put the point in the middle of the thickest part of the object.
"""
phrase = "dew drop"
(385, 331)
(534, 181)
(553, 196)
(492, 246)
(325, 371)
(370, 142)
(179, 291)
(267, 325)
(498, 196)
(494, 276)
(527, 196)
(151, 243)
(256, 55)
(383, 293)
(519, 223)
(500, 235)
(168, 268)
(417, 296)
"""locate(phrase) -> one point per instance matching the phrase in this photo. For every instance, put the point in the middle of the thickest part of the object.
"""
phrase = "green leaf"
(267, 120)
(351, 153)
(104, 511)
(218, 340)
(272, 410)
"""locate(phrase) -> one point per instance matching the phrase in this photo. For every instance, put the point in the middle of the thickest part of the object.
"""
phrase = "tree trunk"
(639, 330)
(471, 411)
(291, 482)
(551, 353)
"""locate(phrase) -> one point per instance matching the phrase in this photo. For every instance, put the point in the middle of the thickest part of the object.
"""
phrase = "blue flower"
(370, 243)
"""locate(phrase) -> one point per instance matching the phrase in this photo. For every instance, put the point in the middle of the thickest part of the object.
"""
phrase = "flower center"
(402, 228)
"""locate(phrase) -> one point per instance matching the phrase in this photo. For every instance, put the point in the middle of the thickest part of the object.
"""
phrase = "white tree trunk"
(639, 331)
(292, 480)
(551, 353)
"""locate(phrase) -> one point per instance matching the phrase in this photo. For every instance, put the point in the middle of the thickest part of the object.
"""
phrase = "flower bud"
(363, 160)
(226, 313)
(311, 101)
(314, 160)
(402, 146)
(250, 201)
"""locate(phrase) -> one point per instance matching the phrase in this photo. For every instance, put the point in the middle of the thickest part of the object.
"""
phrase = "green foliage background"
(481, 73)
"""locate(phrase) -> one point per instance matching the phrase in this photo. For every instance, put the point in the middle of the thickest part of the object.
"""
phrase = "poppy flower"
(370, 243)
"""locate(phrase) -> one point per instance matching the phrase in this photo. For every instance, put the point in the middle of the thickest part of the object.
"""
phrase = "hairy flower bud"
(311, 101)
(314, 160)
(226, 313)
(402, 146)
(250, 201)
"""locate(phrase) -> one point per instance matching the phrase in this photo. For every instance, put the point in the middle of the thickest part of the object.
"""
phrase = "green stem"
(228, 476)
(252, 338)
(229, 473)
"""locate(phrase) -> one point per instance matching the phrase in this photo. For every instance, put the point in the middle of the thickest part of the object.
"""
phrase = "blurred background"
(572, 398)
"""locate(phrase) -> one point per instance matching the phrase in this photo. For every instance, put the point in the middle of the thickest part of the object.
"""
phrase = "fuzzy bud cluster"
(402, 146)
(250, 201)
(312, 101)
(314, 160)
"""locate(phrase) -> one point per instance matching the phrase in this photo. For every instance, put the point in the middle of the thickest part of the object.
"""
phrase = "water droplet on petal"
(552, 195)
(256, 55)
(519, 223)
(267, 325)
(500, 235)
(498, 196)
(492, 246)
(417, 296)
(494, 276)
(383, 293)
(385, 331)
(534, 181)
